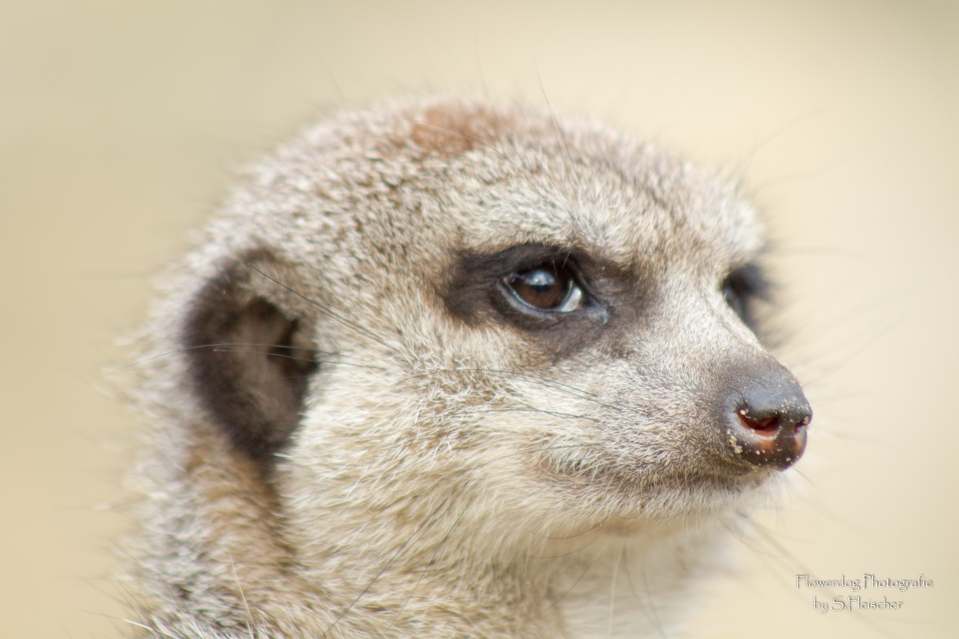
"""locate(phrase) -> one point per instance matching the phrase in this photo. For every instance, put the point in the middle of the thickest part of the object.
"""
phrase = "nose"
(767, 418)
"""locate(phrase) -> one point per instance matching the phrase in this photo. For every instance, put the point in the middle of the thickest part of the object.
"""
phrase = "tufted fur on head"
(442, 369)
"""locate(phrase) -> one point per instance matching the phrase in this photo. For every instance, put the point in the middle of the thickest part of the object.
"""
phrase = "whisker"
(652, 604)
(325, 310)
(739, 169)
(531, 410)
(213, 346)
(565, 594)
(612, 590)
(423, 573)
(530, 452)
(570, 390)
(315, 360)
(150, 628)
(652, 619)
(561, 137)
(858, 349)
(246, 605)
(788, 561)
(579, 534)
(399, 552)
(565, 554)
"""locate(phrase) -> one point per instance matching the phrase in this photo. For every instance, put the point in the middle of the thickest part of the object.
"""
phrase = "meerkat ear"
(250, 352)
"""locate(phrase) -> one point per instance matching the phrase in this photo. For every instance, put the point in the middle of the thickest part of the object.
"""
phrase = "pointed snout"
(766, 417)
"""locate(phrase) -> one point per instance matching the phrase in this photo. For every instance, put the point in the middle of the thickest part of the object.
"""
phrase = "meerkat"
(448, 369)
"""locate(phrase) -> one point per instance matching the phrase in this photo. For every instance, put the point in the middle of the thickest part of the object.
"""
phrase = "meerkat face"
(551, 322)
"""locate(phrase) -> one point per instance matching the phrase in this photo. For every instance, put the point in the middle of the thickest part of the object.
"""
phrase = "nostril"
(767, 423)
(764, 424)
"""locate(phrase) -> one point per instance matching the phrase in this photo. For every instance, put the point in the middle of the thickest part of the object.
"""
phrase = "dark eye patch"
(742, 288)
(533, 287)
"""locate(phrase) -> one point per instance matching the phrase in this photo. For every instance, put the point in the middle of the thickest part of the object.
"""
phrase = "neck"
(378, 566)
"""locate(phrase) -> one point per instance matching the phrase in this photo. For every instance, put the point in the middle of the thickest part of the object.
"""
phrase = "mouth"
(644, 487)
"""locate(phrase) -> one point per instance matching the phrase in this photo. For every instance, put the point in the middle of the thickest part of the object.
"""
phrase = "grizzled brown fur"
(441, 369)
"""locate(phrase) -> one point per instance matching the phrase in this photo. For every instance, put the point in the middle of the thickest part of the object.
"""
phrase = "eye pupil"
(541, 287)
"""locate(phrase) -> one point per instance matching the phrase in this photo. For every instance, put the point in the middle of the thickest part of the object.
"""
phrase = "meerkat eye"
(734, 298)
(741, 287)
(547, 287)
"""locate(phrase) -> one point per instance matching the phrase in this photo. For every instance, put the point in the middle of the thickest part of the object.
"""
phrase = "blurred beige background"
(121, 122)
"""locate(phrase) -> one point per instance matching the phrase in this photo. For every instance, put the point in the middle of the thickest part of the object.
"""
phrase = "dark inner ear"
(249, 363)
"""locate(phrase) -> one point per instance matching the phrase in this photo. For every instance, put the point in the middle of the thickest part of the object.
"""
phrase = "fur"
(359, 428)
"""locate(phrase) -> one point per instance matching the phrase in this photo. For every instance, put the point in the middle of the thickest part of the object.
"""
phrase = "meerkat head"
(538, 319)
